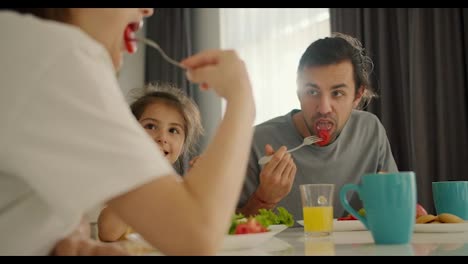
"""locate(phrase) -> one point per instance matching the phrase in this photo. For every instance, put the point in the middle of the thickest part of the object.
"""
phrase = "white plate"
(441, 228)
(356, 225)
(243, 241)
(231, 242)
(277, 228)
(344, 225)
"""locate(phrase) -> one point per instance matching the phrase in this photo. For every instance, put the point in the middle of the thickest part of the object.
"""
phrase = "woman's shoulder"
(43, 39)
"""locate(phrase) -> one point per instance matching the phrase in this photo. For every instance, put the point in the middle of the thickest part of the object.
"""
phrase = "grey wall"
(206, 31)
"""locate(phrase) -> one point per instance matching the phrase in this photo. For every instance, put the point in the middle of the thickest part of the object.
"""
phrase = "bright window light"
(271, 42)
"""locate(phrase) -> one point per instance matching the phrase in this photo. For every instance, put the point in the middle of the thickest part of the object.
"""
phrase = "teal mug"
(389, 200)
(451, 197)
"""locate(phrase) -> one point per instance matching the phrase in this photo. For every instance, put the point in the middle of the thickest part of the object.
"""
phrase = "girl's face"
(112, 27)
(166, 125)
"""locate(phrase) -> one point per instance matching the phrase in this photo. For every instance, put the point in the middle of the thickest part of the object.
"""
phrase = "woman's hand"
(80, 243)
(223, 71)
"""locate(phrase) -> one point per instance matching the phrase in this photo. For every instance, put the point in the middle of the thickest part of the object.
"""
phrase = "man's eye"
(337, 93)
(312, 92)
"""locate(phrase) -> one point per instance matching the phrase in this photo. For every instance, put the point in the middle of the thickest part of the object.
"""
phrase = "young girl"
(173, 121)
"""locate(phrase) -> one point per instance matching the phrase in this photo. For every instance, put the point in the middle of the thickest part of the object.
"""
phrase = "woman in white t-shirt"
(69, 141)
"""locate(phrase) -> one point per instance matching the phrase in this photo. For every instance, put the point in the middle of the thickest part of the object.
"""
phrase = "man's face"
(328, 95)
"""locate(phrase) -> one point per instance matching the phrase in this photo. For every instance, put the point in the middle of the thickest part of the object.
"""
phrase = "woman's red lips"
(129, 39)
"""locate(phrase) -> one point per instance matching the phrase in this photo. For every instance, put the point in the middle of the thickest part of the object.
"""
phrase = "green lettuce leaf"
(283, 217)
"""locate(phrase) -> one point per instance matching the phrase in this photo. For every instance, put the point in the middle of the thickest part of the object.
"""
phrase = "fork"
(307, 141)
(155, 45)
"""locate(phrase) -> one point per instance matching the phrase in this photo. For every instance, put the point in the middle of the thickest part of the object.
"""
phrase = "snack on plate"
(251, 226)
(444, 218)
(450, 218)
(423, 219)
(259, 223)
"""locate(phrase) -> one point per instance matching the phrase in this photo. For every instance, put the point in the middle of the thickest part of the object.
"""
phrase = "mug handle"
(344, 190)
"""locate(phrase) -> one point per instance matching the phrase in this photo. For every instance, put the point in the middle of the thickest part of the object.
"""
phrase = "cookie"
(423, 219)
(450, 218)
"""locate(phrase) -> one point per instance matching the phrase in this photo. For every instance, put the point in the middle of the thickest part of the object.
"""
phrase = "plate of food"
(249, 234)
(441, 228)
(344, 225)
(277, 228)
(252, 231)
(442, 223)
(230, 242)
(244, 241)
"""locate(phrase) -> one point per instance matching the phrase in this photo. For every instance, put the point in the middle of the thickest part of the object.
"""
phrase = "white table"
(292, 242)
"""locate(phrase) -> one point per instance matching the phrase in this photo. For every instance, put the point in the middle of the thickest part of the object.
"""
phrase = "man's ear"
(358, 97)
(298, 89)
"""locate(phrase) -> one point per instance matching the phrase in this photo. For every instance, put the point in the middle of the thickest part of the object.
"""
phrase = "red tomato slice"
(348, 217)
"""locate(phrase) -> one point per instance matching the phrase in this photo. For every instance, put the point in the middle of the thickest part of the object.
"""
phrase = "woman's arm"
(110, 226)
(80, 243)
(191, 217)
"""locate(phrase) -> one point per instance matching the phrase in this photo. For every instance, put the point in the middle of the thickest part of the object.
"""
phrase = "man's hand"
(79, 243)
(277, 176)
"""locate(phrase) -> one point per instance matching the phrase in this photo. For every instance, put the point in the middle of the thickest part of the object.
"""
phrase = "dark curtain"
(420, 57)
(170, 28)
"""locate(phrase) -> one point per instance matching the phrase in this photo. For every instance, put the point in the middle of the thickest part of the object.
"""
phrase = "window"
(271, 42)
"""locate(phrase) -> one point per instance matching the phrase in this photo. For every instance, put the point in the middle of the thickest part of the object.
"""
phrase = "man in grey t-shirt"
(332, 83)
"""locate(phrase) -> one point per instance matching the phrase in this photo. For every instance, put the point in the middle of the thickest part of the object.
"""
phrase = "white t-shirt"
(68, 139)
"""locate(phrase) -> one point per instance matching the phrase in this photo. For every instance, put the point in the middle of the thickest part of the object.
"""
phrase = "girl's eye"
(150, 126)
(174, 131)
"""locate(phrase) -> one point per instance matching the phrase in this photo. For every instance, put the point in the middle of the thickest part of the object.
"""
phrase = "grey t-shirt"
(362, 147)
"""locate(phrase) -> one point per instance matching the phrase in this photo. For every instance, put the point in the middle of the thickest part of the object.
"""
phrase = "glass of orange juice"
(319, 246)
(317, 208)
